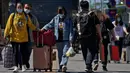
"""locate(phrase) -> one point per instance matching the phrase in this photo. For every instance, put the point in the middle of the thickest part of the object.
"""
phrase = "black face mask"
(60, 11)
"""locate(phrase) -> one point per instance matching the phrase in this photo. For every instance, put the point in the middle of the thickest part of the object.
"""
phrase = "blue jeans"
(62, 49)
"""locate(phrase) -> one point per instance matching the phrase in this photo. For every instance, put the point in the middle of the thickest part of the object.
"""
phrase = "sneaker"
(95, 67)
(59, 70)
(24, 68)
(105, 68)
(15, 69)
(64, 68)
(89, 70)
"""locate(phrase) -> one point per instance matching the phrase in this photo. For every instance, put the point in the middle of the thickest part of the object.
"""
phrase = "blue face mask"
(19, 10)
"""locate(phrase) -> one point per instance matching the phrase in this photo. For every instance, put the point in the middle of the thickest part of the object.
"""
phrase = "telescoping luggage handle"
(112, 43)
(38, 37)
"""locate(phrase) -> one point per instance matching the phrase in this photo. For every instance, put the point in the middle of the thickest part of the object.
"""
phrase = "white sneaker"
(64, 68)
(24, 68)
(15, 68)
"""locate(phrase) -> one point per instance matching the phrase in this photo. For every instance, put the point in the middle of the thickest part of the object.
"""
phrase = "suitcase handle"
(112, 43)
(37, 39)
(38, 34)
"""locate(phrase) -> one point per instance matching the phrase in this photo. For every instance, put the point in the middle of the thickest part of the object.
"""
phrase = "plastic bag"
(70, 52)
(8, 56)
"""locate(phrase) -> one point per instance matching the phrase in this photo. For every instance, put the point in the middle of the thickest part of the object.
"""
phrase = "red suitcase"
(102, 54)
(42, 57)
(114, 51)
(49, 38)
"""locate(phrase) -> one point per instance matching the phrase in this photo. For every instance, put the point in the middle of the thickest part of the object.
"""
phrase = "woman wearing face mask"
(63, 31)
(119, 29)
(16, 31)
(27, 10)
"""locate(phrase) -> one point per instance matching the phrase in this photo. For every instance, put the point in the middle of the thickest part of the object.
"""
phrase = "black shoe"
(89, 70)
(59, 70)
(105, 68)
(28, 65)
(127, 62)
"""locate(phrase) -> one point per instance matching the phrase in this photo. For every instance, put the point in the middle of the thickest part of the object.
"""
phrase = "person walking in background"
(2, 43)
(88, 25)
(27, 10)
(16, 32)
(106, 27)
(119, 29)
(63, 31)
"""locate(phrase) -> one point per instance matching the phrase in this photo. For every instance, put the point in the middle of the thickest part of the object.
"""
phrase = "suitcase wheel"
(50, 70)
(39, 70)
(45, 70)
(34, 70)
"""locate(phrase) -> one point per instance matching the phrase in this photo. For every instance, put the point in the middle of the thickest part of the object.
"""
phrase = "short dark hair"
(84, 4)
(60, 8)
(28, 4)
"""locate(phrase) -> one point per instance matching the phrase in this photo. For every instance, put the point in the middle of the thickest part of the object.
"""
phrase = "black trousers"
(105, 43)
(21, 53)
(120, 45)
(89, 50)
(29, 51)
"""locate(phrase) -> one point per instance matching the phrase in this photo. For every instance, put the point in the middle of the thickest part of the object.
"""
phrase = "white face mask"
(61, 15)
(118, 19)
(27, 11)
(19, 10)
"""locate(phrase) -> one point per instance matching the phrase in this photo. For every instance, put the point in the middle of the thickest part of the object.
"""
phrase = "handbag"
(8, 56)
(126, 40)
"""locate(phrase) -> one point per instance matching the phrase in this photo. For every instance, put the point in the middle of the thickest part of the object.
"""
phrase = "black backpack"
(83, 26)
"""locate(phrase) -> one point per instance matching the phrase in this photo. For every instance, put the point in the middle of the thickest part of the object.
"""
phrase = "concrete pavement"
(76, 65)
(3, 70)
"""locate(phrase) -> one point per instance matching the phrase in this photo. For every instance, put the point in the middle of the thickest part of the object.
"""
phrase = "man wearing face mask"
(63, 31)
(27, 10)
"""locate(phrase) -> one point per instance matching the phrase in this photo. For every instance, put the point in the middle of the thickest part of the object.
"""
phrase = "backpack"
(126, 40)
(84, 28)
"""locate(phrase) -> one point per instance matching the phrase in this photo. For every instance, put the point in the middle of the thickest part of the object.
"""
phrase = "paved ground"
(3, 70)
(76, 65)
